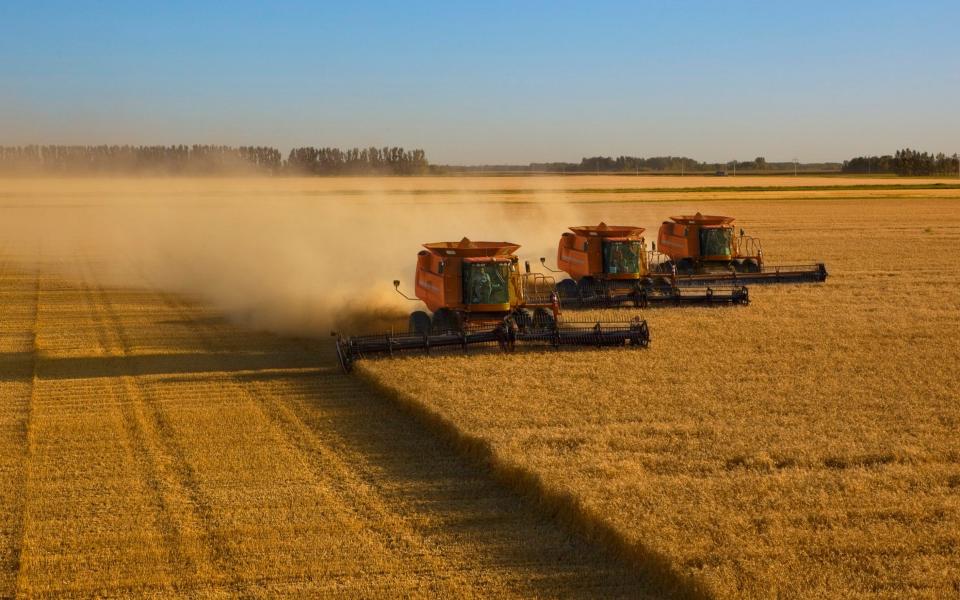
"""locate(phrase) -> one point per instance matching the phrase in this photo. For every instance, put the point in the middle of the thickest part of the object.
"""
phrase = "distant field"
(81, 187)
(160, 440)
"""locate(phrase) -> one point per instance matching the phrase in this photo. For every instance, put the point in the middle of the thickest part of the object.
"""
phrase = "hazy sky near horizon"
(492, 82)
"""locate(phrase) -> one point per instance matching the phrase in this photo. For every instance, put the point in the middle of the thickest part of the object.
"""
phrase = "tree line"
(905, 162)
(208, 160)
(309, 160)
(356, 161)
(679, 164)
(653, 164)
(607, 164)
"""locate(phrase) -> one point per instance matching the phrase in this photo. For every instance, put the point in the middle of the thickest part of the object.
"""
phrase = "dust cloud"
(291, 262)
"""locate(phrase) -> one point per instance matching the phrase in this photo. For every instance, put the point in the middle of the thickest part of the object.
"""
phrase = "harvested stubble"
(805, 446)
(151, 449)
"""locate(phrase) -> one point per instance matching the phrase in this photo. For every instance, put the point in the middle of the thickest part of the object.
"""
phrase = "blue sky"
(488, 82)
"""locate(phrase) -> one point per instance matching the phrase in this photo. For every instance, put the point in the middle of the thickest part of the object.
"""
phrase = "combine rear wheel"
(686, 266)
(750, 266)
(419, 323)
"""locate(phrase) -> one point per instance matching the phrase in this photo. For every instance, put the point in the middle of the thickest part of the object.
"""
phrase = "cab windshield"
(621, 257)
(486, 282)
(716, 241)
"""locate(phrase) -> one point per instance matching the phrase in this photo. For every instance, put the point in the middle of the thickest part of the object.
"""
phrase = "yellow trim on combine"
(505, 307)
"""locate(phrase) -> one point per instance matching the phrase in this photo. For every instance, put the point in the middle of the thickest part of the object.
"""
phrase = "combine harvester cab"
(476, 294)
(704, 250)
(609, 266)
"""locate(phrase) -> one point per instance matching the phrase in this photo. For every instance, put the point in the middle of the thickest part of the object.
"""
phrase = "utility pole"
(795, 162)
(734, 167)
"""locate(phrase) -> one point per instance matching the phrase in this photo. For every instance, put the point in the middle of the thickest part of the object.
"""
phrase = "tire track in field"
(329, 473)
(363, 481)
(350, 490)
(12, 571)
(199, 555)
(54, 565)
(141, 454)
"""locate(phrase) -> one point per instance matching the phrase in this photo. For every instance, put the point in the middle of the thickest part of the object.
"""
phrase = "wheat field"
(162, 438)
(804, 446)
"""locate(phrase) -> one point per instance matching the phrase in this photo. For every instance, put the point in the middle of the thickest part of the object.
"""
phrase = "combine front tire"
(445, 320)
(543, 319)
(587, 288)
(640, 297)
(567, 289)
(419, 323)
(662, 284)
(523, 319)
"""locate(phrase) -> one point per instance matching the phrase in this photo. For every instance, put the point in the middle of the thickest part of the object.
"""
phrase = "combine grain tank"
(705, 250)
(475, 293)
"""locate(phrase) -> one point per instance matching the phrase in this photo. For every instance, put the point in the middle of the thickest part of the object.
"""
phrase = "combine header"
(703, 250)
(609, 266)
(478, 295)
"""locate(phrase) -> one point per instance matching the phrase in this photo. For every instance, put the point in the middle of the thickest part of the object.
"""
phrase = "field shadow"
(462, 493)
(16, 366)
(457, 507)
(457, 504)
(457, 498)
(257, 352)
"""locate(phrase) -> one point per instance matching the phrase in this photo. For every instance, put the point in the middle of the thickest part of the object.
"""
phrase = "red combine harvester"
(704, 249)
(466, 282)
(609, 266)
(477, 294)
